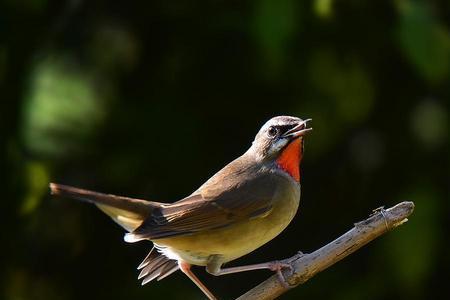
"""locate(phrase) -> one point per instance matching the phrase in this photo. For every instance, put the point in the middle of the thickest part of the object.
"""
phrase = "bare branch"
(306, 266)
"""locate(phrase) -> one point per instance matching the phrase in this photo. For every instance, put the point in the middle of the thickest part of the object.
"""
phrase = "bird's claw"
(278, 266)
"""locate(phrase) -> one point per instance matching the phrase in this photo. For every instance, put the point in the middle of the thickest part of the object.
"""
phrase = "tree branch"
(306, 266)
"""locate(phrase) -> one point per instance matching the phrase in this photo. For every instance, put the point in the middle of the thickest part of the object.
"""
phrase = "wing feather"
(210, 210)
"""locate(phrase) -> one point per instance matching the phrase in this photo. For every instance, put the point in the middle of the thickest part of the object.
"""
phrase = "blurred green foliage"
(276, 22)
(425, 42)
(62, 110)
(149, 99)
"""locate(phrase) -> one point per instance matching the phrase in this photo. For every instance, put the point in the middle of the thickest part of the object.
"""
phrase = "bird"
(242, 207)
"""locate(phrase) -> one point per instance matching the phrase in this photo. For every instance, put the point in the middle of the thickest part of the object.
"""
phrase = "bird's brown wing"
(210, 210)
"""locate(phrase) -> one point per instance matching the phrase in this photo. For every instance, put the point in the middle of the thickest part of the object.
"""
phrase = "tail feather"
(127, 212)
(169, 268)
(151, 267)
(156, 266)
(147, 259)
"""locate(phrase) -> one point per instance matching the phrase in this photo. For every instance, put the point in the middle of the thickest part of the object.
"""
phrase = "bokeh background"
(150, 98)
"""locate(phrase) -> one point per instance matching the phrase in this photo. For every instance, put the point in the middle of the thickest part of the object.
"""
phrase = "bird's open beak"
(298, 130)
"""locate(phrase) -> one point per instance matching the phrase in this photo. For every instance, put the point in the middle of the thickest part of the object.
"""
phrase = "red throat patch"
(290, 158)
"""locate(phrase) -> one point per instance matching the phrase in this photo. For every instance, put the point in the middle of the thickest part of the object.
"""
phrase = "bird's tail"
(127, 212)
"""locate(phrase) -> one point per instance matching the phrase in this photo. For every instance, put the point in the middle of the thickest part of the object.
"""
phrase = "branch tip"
(306, 266)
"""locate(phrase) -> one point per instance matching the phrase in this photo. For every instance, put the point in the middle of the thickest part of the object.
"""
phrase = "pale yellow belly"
(238, 239)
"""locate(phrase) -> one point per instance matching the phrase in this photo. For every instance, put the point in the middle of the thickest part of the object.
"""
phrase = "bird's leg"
(186, 269)
(273, 266)
(215, 263)
(214, 267)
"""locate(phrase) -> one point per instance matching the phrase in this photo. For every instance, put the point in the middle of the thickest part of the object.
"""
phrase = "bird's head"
(281, 140)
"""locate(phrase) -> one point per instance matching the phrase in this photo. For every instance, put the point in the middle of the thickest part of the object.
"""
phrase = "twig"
(306, 266)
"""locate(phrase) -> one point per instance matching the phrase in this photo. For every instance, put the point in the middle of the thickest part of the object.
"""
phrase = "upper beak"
(298, 130)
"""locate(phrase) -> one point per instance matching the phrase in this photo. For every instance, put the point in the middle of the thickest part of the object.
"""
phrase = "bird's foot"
(278, 266)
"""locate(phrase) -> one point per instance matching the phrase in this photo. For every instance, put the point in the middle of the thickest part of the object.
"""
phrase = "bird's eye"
(272, 132)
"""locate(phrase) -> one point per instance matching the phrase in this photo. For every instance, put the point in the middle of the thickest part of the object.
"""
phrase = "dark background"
(150, 98)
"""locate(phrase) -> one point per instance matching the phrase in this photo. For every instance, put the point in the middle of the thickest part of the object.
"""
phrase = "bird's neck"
(290, 158)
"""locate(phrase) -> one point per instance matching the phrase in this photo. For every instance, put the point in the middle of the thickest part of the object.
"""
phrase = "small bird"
(239, 209)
